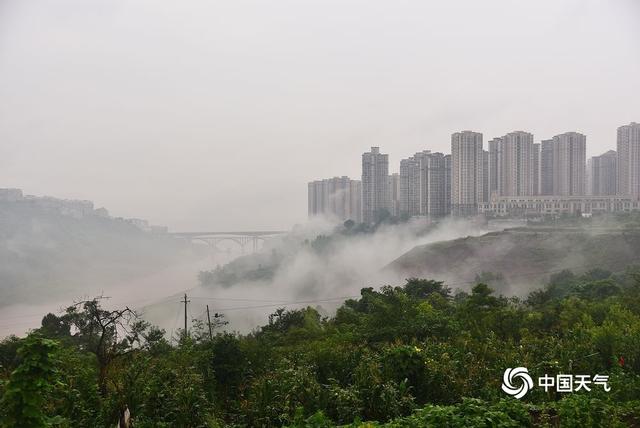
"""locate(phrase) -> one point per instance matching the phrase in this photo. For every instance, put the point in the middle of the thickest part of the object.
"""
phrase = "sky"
(213, 115)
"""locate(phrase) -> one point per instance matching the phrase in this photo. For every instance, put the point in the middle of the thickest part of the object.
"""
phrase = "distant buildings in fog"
(77, 209)
(338, 197)
(394, 194)
(67, 207)
(10, 195)
(556, 205)
(515, 176)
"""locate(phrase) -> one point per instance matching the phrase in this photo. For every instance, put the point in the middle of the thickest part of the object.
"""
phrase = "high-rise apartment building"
(448, 183)
(434, 182)
(375, 185)
(588, 179)
(512, 168)
(569, 164)
(410, 188)
(546, 167)
(628, 164)
(466, 172)
(394, 194)
(355, 200)
(536, 168)
(602, 174)
(337, 197)
(424, 185)
(485, 175)
(493, 169)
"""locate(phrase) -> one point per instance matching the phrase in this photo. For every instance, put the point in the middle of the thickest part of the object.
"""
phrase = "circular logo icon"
(518, 375)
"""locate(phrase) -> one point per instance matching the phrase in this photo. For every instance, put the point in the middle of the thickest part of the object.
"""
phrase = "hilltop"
(54, 249)
(523, 256)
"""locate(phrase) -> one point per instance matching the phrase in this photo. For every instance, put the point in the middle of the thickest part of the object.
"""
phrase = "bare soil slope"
(525, 256)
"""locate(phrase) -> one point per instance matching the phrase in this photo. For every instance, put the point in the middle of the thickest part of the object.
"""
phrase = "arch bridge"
(242, 238)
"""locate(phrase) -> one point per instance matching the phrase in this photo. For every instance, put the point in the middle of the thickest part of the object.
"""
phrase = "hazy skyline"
(215, 115)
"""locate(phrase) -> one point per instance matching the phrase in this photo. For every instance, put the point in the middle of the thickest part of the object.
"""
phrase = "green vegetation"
(407, 356)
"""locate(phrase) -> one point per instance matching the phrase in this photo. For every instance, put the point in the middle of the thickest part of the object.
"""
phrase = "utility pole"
(209, 322)
(185, 301)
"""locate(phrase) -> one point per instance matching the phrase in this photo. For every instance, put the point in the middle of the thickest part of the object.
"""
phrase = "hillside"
(524, 256)
(46, 254)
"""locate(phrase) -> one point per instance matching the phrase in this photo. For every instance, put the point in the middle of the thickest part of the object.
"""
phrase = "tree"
(482, 298)
(422, 288)
(494, 280)
(8, 355)
(108, 334)
(25, 398)
(53, 326)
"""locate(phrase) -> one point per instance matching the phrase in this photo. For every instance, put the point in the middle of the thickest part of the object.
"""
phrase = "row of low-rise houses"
(73, 208)
(68, 207)
(514, 176)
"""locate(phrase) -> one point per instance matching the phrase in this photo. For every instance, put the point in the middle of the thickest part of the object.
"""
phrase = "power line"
(288, 304)
(238, 299)
(61, 311)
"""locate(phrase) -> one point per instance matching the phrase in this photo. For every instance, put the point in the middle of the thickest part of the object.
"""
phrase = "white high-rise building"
(448, 183)
(410, 185)
(512, 164)
(436, 199)
(569, 164)
(337, 197)
(467, 179)
(546, 167)
(536, 169)
(628, 164)
(425, 183)
(375, 185)
(494, 166)
(485, 175)
(602, 174)
(394, 194)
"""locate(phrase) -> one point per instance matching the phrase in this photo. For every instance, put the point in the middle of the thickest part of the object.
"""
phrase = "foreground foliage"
(407, 356)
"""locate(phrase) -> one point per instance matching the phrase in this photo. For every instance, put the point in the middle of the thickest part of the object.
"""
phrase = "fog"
(307, 276)
(304, 274)
(135, 293)
(321, 263)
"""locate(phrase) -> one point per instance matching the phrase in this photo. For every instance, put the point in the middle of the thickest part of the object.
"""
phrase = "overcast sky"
(215, 114)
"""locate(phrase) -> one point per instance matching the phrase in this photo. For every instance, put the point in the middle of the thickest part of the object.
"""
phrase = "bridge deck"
(242, 233)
